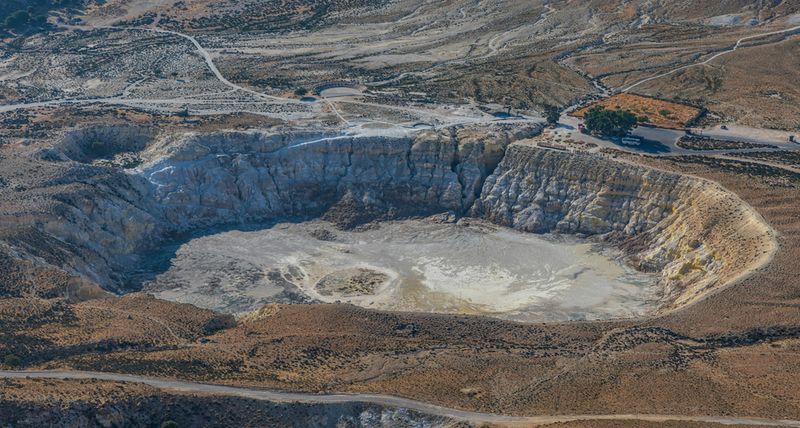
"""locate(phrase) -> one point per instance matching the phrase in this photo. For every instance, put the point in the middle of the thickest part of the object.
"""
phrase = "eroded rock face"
(99, 220)
(547, 191)
(690, 230)
(95, 221)
(230, 178)
(104, 142)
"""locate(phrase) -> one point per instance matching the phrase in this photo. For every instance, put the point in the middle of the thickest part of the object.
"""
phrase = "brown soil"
(351, 282)
(661, 113)
(787, 158)
(34, 403)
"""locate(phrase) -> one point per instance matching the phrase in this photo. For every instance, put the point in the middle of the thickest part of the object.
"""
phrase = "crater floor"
(471, 267)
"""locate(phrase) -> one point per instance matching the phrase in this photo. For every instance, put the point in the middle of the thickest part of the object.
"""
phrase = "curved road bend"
(377, 399)
(712, 58)
(203, 52)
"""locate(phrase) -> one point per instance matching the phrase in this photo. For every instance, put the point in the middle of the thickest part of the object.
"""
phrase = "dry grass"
(661, 113)
(757, 86)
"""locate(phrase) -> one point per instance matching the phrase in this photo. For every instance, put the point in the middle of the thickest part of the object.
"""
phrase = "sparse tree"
(12, 360)
(552, 114)
(615, 123)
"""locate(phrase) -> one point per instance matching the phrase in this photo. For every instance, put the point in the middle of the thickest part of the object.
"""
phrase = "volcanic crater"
(464, 219)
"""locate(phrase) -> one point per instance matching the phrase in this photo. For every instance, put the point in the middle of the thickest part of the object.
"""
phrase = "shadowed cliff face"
(105, 219)
(202, 181)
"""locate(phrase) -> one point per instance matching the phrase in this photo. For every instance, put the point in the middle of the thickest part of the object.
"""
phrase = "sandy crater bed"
(472, 267)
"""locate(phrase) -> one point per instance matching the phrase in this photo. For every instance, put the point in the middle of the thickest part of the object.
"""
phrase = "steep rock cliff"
(689, 230)
(204, 180)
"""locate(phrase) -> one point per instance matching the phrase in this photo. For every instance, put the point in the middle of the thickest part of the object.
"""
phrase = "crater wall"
(103, 219)
(692, 231)
(205, 180)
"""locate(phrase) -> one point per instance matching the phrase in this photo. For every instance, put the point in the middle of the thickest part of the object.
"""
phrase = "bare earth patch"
(661, 113)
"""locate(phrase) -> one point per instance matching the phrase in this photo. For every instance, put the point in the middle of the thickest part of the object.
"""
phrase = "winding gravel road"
(203, 52)
(380, 400)
(734, 48)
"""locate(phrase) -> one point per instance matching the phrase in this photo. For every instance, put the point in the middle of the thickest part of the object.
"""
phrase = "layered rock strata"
(694, 233)
(97, 221)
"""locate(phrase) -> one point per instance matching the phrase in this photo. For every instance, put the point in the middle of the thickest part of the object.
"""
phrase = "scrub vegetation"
(615, 123)
(29, 15)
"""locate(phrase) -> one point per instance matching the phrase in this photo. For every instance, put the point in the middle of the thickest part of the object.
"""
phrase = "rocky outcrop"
(543, 191)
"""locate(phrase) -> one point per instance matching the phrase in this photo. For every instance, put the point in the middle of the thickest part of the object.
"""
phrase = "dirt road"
(734, 48)
(381, 400)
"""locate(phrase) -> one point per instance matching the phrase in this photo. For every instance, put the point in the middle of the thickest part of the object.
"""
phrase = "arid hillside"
(506, 53)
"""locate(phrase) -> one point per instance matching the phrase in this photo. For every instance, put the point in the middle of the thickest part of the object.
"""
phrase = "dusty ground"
(473, 267)
(409, 61)
(752, 86)
(634, 424)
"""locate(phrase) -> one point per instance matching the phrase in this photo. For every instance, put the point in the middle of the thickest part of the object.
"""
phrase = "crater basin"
(426, 265)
